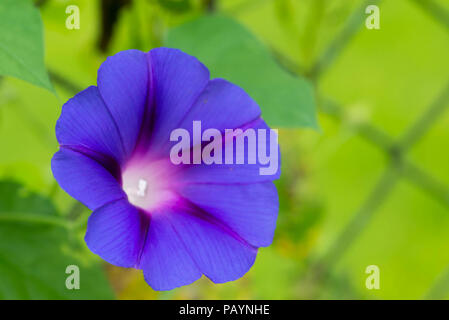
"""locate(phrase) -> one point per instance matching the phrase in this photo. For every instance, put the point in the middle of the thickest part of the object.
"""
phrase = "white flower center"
(139, 192)
(147, 185)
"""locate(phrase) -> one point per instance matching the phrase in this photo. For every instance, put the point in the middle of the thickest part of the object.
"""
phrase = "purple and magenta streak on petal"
(86, 122)
(231, 173)
(123, 82)
(108, 163)
(166, 261)
(217, 96)
(85, 179)
(179, 79)
(218, 252)
(250, 210)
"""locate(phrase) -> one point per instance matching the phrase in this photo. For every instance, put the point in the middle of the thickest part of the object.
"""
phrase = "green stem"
(435, 10)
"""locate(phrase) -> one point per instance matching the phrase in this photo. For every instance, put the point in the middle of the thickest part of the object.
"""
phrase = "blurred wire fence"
(399, 166)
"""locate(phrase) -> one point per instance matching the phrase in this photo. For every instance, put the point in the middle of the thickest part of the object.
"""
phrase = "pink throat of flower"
(149, 185)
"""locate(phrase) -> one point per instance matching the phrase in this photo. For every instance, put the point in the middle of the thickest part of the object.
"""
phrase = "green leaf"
(21, 43)
(232, 52)
(36, 246)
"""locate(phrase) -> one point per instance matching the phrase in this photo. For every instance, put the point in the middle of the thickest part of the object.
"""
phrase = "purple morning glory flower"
(176, 222)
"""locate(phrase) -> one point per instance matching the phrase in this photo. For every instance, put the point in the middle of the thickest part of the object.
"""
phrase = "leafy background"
(363, 136)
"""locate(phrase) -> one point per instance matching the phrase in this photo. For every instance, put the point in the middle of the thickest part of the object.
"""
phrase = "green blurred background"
(368, 187)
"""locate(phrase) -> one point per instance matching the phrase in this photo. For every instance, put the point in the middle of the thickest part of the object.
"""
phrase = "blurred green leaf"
(36, 246)
(232, 52)
(16, 199)
(21, 43)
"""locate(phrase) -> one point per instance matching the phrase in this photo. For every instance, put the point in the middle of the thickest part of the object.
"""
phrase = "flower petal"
(236, 173)
(123, 81)
(116, 233)
(85, 179)
(219, 254)
(222, 105)
(178, 81)
(86, 122)
(166, 262)
(249, 210)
